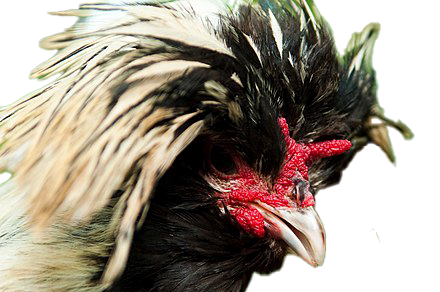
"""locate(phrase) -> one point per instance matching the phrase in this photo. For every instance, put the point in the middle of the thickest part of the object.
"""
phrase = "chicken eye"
(222, 161)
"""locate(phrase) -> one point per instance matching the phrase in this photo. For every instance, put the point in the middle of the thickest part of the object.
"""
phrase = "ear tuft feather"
(359, 52)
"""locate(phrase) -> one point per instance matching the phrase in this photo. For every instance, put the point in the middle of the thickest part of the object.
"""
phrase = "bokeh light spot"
(25, 26)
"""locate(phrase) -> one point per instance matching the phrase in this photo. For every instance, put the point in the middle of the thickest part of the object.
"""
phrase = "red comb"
(300, 155)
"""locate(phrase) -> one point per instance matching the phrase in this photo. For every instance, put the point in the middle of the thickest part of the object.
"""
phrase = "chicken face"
(282, 207)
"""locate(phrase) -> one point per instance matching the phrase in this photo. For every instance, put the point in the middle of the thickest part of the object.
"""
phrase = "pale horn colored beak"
(300, 228)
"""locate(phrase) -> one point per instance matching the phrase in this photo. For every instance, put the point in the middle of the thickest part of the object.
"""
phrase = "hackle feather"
(84, 135)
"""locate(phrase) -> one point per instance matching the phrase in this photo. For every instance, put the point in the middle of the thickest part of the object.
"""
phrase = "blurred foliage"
(395, 63)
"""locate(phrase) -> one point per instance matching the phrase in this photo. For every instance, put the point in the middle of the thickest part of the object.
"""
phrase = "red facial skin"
(247, 186)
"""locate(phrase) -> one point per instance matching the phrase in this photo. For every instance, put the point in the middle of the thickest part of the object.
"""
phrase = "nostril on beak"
(301, 191)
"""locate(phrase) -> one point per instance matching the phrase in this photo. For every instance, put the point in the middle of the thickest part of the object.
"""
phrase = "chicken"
(181, 146)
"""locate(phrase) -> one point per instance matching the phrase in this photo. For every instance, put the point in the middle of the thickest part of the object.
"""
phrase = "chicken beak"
(300, 228)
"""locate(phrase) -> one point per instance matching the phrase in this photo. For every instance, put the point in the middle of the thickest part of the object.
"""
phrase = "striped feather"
(83, 136)
(277, 33)
(360, 49)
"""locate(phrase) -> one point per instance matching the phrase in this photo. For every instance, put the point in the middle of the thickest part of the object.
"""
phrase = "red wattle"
(250, 220)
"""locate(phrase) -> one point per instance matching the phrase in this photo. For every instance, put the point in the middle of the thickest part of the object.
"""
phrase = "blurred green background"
(23, 21)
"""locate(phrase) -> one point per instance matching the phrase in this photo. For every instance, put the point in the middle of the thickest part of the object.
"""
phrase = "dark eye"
(222, 161)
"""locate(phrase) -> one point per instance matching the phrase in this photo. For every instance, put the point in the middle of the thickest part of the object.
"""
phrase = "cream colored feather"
(70, 151)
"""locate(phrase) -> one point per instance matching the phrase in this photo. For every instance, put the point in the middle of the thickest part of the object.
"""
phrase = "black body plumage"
(189, 244)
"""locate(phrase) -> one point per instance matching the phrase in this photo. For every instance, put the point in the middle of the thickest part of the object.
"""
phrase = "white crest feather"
(277, 32)
(312, 14)
(253, 46)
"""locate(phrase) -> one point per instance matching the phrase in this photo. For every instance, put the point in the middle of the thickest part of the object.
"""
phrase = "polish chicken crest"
(181, 146)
